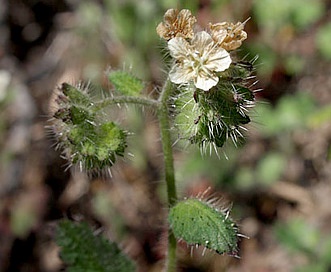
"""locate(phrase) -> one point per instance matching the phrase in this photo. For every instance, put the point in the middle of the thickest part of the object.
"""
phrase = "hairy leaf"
(198, 223)
(81, 250)
(125, 83)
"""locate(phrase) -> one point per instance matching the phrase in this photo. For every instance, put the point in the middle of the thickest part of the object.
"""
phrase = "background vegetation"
(278, 180)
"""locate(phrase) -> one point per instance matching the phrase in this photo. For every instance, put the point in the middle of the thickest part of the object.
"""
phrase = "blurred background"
(278, 182)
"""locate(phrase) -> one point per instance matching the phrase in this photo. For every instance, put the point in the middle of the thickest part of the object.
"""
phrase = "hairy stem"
(163, 115)
(127, 100)
(161, 105)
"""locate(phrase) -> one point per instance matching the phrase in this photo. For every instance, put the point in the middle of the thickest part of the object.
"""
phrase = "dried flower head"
(228, 35)
(176, 24)
(197, 61)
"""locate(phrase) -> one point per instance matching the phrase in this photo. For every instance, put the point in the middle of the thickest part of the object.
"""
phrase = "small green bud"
(238, 71)
(199, 223)
(111, 137)
(79, 115)
(76, 95)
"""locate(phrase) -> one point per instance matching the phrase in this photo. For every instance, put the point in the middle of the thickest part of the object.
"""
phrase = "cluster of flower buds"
(83, 134)
(214, 91)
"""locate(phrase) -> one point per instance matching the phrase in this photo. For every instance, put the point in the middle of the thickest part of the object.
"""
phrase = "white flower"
(197, 61)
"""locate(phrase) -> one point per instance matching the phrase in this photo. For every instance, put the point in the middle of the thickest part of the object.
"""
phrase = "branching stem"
(128, 100)
(161, 106)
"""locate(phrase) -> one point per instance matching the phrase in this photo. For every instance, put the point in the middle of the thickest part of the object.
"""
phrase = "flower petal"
(219, 60)
(202, 41)
(206, 83)
(179, 48)
(178, 75)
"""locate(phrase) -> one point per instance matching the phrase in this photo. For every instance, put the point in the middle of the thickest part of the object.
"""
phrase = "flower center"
(197, 63)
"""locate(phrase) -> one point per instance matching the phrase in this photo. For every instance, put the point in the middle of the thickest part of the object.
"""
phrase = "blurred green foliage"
(299, 237)
(272, 15)
(23, 219)
(290, 113)
(270, 168)
(320, 117)
(323, 38)
(278, 22)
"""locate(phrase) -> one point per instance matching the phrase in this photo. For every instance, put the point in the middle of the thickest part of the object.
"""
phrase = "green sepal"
(187, 114)
(81, 250)
(223, 112)
(198, 223)
(238, 72)
(75, 95)
(214, 116)
(80, 116)
(126, 83)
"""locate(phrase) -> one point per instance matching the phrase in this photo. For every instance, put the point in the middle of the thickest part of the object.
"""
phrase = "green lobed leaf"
(81, 250)
(126, 83)
(198, 223)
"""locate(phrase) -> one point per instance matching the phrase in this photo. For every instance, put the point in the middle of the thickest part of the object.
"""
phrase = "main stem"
(163, 115)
